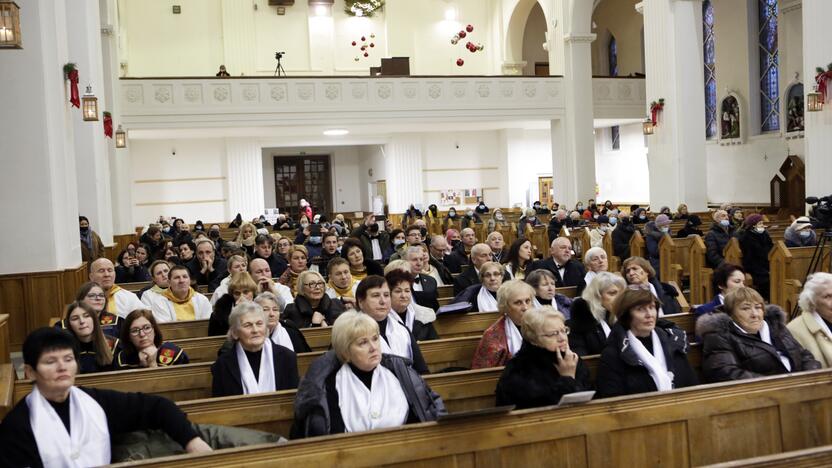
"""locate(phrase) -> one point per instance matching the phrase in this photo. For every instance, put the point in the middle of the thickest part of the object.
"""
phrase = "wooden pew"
(5, 352)
(539, 239)
(637, 247)
(808, 458)
(7, 379)
(787, 271)
(686, 427)
(674, 259)
(614, 263)
(701, 277)
(509, 233)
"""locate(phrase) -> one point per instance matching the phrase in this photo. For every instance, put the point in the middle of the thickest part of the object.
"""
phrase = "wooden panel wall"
(31, 299)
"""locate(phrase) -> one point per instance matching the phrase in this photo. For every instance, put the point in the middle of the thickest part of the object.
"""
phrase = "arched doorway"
(516, 35)
(535, 49)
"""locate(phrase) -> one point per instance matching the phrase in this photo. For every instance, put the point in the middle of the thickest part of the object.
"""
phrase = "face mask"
(759, 230)
(642, 217)
(455, 242)
(664, 229)
(469, 213)
(304, 225)
(595, 216)
(613, 221)
(536, 206)
(452, 213)
(85, 230)
(423, 232)
(214, 234)
(580, 207)
(166, 230)
(805, 233)
(724, 223)
(532, 218)
(398, 242)
(315, 239)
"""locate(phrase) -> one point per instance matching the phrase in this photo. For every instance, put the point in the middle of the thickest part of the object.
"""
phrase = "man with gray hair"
(425, 292)
(556, 224)
(438, 250)
(568, 271)
(497, 244)
(480, 253)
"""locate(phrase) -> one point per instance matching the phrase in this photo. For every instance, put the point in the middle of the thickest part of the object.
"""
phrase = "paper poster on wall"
(453, 197)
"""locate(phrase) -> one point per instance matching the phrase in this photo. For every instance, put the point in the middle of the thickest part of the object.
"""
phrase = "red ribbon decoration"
(821, 80)
(108, 125)
(74, 96)
(655, 108)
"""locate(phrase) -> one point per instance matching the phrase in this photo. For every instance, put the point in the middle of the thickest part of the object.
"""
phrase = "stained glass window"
(769, 66)
(710, 68)
(615, 135)
(613, 57)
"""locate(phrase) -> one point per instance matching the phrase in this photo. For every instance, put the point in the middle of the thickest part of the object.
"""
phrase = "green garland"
(363, 7)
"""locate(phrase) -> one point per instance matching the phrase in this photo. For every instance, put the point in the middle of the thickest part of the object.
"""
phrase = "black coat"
(443, 270)
(619, 371)
(218, 322)
(586, 335)
(322, 262)
(212, 279)
(667, 296)
(530, 379)
(418, 360)
(469, 295)
(134, 274)
(621, 236)
(300, 312)
(455, 260)
(465, 279)
(715, 240)
(755, 248)
(227, 381)
(429, 295)
(363, 235)
(730, 354)
(573, 274)
(688, 231)
(554, 227)
(277, 263)
(423, 329)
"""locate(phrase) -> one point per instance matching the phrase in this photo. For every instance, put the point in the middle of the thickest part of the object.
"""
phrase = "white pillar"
(676, 151)
(238, 37)
(244, 163)
(817, 52)
(404, 172)
(92, 168)
(37, 183)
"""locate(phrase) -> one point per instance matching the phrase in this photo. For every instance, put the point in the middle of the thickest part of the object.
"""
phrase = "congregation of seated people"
(377, 286)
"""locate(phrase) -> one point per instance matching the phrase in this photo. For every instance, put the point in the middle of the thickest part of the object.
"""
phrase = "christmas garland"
(363, 7)
(71, 74)
(655, 108)
(822, 77)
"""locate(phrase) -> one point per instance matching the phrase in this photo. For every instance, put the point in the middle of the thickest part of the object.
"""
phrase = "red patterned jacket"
(493, 348)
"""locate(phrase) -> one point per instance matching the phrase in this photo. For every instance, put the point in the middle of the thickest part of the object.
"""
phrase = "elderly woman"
(256, 364)
(360, 267)
(95, 349)
(298, 263)
(643, 353)
(246, 237)
(497, 220)
(312, 306)
(681, 212)
(180, 302)
(717, 238)
(93, 295)
(545, 291)
(749, 340)
(59, 424)
(357, 387)
(241, 288)
(592, 314)
(813, 327)
(419, 320)
(502, 340)
(519, 259)
(143, 345)
(800, 233)
(281, 332)
(595, 261)
(236, 264)
(726, 278)
(755, 243)
(373, 297)
(638, 271)
(654, 232)
(528, 221)
(483, 296)
(545, 368)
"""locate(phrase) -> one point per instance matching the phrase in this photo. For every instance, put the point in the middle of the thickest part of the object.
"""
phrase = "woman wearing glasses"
(143, 346)
(312, 306)
(545, 368)
(93, 295)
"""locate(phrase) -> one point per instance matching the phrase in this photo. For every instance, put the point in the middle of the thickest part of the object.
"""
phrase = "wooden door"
(545, 191)
(306, 177)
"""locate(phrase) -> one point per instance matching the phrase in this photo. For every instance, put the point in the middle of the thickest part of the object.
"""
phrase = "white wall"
(157, 180)
(528, 157)
(370, 157)
(622, 174)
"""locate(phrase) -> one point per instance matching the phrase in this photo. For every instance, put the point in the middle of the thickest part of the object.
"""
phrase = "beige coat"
(808, 332)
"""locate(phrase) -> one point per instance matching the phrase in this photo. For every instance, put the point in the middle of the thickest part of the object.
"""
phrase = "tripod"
(817, 259)
(278, 70)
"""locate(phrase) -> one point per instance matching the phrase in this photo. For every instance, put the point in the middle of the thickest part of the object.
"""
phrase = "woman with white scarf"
(643, 353)
(502, 340)
(813, 328)
(256, 364)
(358, 387)
(419, 320)
(373, 297)
(61, 425)
(483, 295)
(749, 340)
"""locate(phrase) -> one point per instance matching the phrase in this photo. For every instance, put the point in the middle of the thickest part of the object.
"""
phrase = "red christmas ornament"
(366, 54)
(108, 125)
(469, 28)
(363, 38)
(353, 43)
(372, 44)
(460, 62)
(363, 47)
(462, 34)
(74, 96)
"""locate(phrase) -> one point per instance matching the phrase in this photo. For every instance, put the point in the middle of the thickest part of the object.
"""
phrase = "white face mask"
(805, 233)
(760, 230)
(664, 229)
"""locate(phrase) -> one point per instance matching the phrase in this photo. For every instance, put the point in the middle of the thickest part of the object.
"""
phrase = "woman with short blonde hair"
(592, 315)
(813, 327)
(241, 288)
(312, 306)
(502, 340)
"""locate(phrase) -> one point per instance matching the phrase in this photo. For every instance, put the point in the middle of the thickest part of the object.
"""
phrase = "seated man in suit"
(568, 271)
(119, 301)
(438, 249)
(497, 244)
(480, 254)
(425, 291)
(207, 267)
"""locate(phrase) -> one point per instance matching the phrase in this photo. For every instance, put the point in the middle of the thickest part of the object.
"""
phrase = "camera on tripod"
(278, 70)
(820, 214)
(279, 55)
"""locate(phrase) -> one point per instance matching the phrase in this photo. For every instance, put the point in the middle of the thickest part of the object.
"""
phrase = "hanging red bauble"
(354, 43)
(372, 44)
(469, 28)
(460, 62)
(108, 125)
(366, 54)
(363, 47)
(363, 38)
(462, 34)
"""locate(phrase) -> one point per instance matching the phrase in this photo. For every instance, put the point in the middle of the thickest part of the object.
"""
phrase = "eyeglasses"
(145, 330)
(96, 296)
(315, 285)
(556, 333)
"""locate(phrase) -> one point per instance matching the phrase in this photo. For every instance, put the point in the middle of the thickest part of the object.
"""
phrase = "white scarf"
(655, 363)
(363, 409)
(513, 336)
(485, 301)
(409, 316)
(605, 327)
(653, 290)
(266, 381)
(823, 325)
(765, 335)
(397, 339)
(590, 275)
(281, 337)
(86, 444)
(376, 249)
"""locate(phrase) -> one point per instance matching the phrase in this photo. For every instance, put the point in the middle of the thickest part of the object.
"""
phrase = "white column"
(37, 183)
(676, 151)
(244, 162)
(92, 167)
(404, 172)
(238, 37)
(817, 52)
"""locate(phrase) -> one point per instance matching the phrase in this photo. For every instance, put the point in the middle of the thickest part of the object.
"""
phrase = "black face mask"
(214, 234)
(85, 230)
(455, 242)
(373, 229)
(423, 232)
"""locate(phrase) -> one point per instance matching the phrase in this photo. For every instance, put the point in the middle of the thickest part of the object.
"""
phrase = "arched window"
(769, 67)
(710, 68)
(613, 56)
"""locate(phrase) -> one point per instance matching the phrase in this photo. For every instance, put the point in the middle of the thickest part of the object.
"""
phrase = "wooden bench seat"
(688, 427)
(806, 458)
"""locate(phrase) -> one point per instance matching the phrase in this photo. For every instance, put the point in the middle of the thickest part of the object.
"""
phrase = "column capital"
(579, 38)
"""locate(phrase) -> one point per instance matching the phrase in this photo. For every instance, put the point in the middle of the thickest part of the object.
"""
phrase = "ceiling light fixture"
(336, 132)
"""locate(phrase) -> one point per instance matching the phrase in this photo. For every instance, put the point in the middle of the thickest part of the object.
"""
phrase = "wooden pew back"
(700, 275)
(789, 265)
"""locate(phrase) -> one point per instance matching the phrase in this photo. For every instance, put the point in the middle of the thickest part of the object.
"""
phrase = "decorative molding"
(184, 202)
(463, 169)
(440, 191)
(165, 181)
(579, 38)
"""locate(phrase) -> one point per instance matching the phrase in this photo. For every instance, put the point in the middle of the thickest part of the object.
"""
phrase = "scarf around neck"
(266, 381)
(396, 339)
(182, 308)
(347, 292)
(656, 363)
(112, 307)
(485, 301)
(384, 404)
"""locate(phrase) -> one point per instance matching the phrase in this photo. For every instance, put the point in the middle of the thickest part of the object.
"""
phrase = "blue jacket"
(708, 307)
